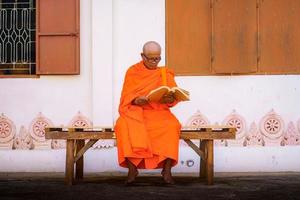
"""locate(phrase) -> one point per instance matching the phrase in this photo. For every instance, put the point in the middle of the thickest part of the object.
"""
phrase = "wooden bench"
(76, 146)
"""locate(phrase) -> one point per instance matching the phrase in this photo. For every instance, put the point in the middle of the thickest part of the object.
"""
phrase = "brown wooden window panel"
(211, 37)
(279, 36)
(53, 43)
(57, 37)
(234, 36)
(188, 36)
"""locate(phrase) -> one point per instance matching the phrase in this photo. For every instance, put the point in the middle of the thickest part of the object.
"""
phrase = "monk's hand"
(140, 101)
(169, 98)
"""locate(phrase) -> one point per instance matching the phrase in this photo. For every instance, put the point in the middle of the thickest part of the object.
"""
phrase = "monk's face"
(151, 59)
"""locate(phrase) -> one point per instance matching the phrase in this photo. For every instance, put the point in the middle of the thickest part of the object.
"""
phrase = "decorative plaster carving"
(291, 136)
(298, 125)
(58, 144)
(254, 137)
(79, 120)
(104, 144)
(23, 140)
(37, 131)
(7, 132)
(237, 121)
(196, 120)
(272, 127)
(222, 142)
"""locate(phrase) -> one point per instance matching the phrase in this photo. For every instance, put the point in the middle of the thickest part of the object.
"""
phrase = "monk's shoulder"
(170, 71)
(131, 70)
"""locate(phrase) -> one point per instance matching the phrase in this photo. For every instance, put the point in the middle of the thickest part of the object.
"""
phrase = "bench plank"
(111, 135)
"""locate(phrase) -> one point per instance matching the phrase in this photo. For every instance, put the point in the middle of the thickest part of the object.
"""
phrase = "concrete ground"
(274, 186)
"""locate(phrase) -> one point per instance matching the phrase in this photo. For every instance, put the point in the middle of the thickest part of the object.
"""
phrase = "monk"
(147, 132)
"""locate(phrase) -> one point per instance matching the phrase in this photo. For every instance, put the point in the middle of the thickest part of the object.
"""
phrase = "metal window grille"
(17, 36)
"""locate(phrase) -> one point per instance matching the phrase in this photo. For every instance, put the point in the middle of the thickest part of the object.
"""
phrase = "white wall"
(112, 35)
(135, 22)
(251, 96)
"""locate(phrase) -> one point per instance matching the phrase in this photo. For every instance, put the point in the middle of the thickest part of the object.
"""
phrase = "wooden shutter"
(279, 36)
(57, 36)
(188, 41)
(234, 36)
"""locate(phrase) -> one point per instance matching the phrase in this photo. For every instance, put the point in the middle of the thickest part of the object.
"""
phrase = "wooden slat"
(111, 135)
(84, 149)
(79, 161)
(80, 135)
(196, 149)
(227, 133)
(69, 176)
(207, 127)
(48, 129)
(90, 129)
(207, 135)
(203, 170)
(210, 162)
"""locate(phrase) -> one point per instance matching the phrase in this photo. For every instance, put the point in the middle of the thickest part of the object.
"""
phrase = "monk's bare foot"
(132, 174)
(167, 176)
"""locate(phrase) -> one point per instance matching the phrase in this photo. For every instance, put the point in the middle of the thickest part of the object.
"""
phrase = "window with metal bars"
(17, 37)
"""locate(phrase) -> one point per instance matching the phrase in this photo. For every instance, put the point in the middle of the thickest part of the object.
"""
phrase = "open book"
(178, 93)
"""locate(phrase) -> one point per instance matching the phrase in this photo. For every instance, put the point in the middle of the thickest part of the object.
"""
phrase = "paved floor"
(274, 186)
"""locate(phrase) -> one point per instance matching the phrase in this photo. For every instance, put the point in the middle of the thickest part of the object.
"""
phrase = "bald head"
(151, 54)
(151, 47)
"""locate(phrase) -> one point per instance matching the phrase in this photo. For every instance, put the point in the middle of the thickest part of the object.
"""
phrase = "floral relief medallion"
(272, 125)
(37, 127)
(197, 119)
(79, 120)
(7, 129)
(237, 121)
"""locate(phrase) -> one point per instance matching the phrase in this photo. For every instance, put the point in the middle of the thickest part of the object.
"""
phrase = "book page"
(158, 93)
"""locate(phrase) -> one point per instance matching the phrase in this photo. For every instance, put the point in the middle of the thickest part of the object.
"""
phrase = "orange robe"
(146, 135)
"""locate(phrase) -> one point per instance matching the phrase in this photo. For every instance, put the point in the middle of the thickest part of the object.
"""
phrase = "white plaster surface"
(112, 35)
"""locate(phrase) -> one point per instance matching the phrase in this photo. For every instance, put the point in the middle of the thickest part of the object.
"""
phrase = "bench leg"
(210, 162)
(79, 163)
(69, 174)
(202, 163)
